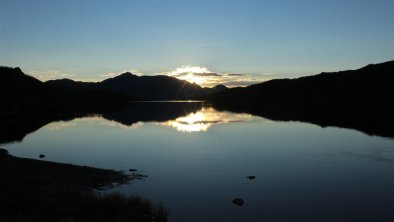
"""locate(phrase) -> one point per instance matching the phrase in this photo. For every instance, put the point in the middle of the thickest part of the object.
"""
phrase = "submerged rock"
(251, 177)
(132, 170)
(238, 201)
(41, 156)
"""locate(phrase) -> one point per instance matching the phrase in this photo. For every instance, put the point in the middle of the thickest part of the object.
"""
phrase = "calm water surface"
(198, 163)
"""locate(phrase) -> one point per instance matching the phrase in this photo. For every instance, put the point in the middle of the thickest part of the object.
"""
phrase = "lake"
(197, 160)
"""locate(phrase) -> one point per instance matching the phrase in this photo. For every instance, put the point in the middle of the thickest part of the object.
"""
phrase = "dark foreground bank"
(34, 190)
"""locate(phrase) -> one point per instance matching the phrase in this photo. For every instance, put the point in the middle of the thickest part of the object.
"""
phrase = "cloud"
(269, 73)
(206, 78)
(234, 80)
(194, 74)
(187, 70)
(178, 75)
(50, 74)
(234, 74)
(206, 74)
(110, 75)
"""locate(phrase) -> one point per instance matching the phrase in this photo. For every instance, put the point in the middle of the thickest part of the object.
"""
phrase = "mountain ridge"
(359, 99)
(159, 87)
(22, 94)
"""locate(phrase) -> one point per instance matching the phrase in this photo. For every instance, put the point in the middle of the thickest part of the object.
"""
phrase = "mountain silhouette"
(28, 103)
(71, 83)
(360, 99)
(22, 93)
(152, 87)
(158, 87)
(215, 89)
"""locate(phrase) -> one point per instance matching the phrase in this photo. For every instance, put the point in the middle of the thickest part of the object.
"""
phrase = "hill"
(145, 87)
(27, 103)
(152, 87)
(360, 99)
(22, 93)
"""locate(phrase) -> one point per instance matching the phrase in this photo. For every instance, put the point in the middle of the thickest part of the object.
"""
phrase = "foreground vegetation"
(33, 190)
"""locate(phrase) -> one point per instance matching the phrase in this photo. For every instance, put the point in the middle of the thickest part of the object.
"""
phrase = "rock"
(251, 177)
(41, 156)
(132, 170)
(238, 201)
(3, 151)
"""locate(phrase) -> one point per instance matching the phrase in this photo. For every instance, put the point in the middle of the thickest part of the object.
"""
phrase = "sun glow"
(190, 69)
(206, 78)
(193, 74)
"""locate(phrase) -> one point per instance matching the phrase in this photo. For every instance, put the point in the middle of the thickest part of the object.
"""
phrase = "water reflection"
(54, 126)
(16, 130)
(152, 112)
(203, 119)
(183, 116)
(197, 121)
(302, 171)
(377, 155)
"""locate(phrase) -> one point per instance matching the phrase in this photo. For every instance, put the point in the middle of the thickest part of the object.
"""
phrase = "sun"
(193, 74)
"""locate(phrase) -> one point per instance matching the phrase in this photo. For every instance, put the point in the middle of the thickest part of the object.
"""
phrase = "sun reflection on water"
(202, 120)
(199, 121)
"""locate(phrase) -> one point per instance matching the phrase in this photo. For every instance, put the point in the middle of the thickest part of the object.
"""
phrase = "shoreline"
(37, 190)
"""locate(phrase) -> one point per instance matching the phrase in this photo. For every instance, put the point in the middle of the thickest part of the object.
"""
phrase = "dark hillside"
(360, 99)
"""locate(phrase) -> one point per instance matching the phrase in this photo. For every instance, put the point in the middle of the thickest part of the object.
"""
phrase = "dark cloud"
(235, 74)
(206, 74)
(180, 74)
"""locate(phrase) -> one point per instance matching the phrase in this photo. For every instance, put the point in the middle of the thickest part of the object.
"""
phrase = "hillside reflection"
(183, 116)
(192, 121)
(203, 119)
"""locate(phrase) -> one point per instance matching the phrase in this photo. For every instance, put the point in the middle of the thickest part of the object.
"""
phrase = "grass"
(117, 207)
(35, 190)
(90, 207)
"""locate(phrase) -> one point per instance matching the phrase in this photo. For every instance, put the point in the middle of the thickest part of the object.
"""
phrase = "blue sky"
(88, 40)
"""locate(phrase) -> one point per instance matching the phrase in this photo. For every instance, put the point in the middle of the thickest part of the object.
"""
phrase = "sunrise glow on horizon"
(207, 78)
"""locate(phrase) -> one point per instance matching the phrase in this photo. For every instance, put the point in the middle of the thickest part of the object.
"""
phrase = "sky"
(236, 42)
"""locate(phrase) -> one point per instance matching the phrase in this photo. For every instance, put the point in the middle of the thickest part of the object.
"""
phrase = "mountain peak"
(9, 70)
(16, 74)
(220, 87)
(17, 69)
(126, 75)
